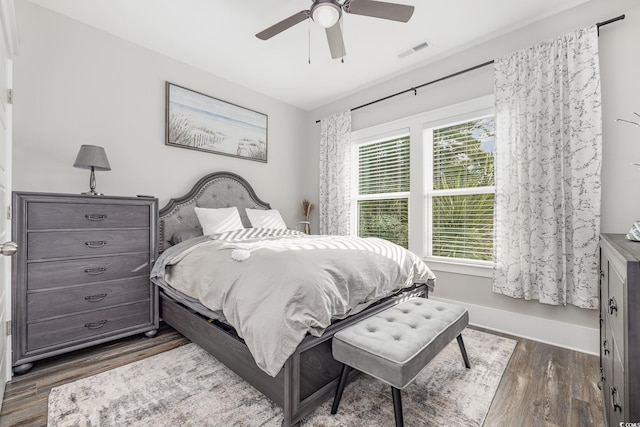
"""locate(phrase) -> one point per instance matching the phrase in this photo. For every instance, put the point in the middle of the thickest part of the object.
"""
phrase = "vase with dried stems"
(307, 206)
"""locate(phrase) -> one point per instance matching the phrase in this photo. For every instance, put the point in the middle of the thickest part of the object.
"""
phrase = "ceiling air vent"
(413, 49)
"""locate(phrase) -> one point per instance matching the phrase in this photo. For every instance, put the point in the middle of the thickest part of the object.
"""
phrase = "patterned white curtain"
(335, 174)
(548, 158)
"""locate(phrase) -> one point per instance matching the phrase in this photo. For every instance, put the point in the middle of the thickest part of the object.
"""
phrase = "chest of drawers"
(81, 274)
(620, 328)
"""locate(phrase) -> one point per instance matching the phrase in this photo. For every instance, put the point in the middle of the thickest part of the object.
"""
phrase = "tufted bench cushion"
(396, 344)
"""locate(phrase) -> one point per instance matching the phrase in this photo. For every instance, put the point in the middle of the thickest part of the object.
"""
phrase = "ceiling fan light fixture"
(325, 14)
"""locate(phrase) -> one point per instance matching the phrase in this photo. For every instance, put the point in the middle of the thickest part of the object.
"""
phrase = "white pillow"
(261, 218)
(214, 221)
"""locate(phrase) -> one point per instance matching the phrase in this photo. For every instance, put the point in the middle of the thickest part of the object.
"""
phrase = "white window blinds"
(463, 155)
(384, 167)
(462, 198)
(383, 190)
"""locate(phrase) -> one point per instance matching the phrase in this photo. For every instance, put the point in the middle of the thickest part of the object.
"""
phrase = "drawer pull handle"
(96, 243)
(95, 271)
(602, 379)
(614, 400)
(604, 347)
(95, 298)
(613, 305)
(95, 325)
(96, 217)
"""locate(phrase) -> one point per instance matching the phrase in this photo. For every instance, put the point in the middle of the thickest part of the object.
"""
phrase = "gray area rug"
(188, 387)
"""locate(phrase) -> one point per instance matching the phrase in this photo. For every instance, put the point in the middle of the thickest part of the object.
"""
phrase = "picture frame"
(201, 122)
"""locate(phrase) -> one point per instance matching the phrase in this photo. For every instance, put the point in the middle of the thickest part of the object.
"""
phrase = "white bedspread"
(288, 283)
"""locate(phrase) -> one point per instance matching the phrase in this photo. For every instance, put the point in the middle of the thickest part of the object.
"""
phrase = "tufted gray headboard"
(216, 190)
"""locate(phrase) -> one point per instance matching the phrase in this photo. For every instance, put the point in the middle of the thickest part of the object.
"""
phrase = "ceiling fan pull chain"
(309, 38)
(342, 30)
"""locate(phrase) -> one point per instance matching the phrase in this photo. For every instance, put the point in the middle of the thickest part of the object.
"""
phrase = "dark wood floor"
(543, 385)
(548, 386)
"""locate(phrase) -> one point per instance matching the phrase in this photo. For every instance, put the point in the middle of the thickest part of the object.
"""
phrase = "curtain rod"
(466, 70)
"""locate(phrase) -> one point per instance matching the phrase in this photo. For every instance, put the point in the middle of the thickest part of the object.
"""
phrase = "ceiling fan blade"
(379, 9)
(283, 25)
(336, 43)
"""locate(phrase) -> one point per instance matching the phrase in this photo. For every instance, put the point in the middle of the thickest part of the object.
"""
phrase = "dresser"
(620, 328)
(81, 273)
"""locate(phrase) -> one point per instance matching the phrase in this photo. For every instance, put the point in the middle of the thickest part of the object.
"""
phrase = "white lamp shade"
(325, 14)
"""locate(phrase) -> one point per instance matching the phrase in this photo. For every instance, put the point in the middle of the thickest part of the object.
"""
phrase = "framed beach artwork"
(201, 122)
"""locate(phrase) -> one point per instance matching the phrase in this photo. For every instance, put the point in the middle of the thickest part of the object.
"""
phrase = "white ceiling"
(219, 36)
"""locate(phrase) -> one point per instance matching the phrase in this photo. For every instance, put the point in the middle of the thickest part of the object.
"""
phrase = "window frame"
(421, 176)
(430, 193)
(355, 173)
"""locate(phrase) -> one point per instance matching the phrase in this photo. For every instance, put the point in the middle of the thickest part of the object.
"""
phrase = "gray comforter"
(275, 286)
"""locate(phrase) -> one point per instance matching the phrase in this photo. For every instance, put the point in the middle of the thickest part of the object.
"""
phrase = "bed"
(309, 375)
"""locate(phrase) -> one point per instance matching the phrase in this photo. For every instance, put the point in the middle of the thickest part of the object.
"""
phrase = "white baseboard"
(573, 337)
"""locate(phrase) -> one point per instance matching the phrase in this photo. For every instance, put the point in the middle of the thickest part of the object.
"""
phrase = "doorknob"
(9, 248)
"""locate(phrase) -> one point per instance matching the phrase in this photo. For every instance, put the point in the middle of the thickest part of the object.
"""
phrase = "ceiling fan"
(327, 14)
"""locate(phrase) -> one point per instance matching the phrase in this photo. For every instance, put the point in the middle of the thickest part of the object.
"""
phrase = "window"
(461, 197)
(382, 195)
(440, 204)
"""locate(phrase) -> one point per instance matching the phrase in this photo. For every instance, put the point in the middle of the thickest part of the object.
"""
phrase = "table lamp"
(94, 158)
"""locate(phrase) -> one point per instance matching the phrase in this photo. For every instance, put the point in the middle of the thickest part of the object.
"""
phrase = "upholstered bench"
(397, 343)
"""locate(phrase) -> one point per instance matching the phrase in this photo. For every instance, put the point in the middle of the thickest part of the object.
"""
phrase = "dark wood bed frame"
(310, 375)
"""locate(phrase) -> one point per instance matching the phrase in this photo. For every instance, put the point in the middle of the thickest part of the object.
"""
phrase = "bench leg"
(463, 351)
(341, 384)
(397, 406)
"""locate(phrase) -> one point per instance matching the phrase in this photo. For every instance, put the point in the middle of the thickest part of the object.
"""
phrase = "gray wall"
(619, 61)
(75, 85)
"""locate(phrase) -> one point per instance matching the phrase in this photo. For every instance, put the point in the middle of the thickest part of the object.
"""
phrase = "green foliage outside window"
(387, 219)
(463, 226)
